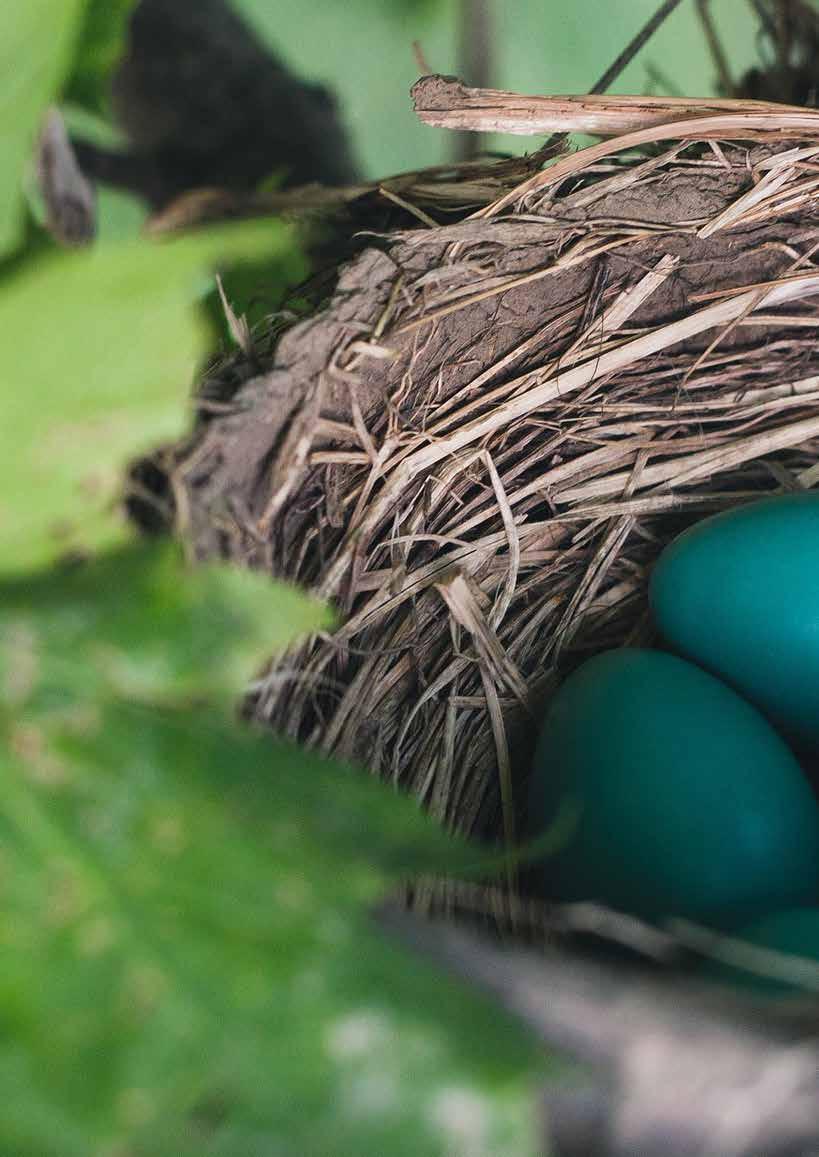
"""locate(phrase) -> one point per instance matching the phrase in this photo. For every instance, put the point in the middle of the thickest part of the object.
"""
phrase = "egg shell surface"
(738, 593)
(689, 803)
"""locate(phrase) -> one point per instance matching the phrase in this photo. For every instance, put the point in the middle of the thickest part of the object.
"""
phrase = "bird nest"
(479, 444)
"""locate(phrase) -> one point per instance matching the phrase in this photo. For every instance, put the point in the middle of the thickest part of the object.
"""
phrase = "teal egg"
(794, 931)
(739, 594)
(688, 802)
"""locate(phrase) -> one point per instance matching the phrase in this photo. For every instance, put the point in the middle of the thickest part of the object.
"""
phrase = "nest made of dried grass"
(481, 443)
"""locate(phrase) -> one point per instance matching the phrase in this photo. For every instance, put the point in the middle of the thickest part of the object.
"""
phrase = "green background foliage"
(104, 348)
(363, 49)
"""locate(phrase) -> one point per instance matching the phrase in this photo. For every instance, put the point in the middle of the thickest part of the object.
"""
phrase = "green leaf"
(101, 347)
(120, 215)
(138, 622)
(91, 126)
(101, 42)
(36, 41)
(187, 967)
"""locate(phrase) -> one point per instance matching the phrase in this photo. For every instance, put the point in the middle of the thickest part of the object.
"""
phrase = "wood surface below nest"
(479, 447)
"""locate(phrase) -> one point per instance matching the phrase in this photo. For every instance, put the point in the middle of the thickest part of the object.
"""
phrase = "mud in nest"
(481, 443)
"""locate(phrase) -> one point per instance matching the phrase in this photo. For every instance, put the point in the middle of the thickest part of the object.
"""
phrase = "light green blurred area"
(363, 50)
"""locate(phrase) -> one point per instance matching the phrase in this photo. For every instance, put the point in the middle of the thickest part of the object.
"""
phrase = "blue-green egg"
(794, 932)
(688, 802)
(739, 594)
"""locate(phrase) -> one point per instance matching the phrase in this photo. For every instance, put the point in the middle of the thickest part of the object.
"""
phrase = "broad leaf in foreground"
(188, 967)
(101, 352)
(140, 623)
(36, 42)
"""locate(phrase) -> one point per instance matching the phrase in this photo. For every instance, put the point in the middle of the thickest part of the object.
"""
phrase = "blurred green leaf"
(101, 40)
(138, 623)
(120, 215)
(187, 968)
(36, 41)
(100, 351)
(91, 126)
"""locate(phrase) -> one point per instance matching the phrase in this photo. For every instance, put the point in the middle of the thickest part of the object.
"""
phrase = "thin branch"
(420, 58)
(625, 58)
(726, 81)
(614, 70)
(474, 62)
